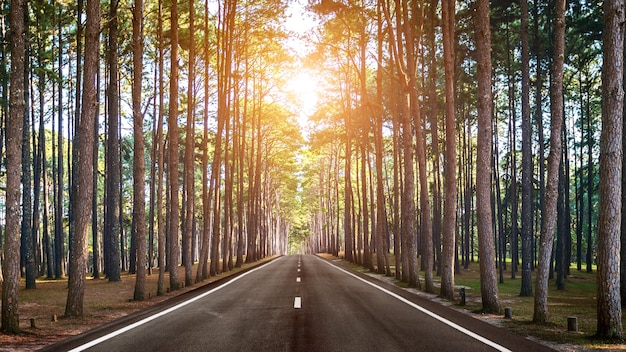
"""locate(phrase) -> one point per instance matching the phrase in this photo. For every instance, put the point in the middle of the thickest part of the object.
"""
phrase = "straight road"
(301, 303)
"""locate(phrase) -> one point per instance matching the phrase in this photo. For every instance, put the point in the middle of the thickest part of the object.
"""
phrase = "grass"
(577, 300)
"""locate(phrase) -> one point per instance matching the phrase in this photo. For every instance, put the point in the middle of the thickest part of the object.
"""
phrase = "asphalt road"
(299, 303)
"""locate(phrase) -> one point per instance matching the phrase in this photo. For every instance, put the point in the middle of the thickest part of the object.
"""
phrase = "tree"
(172, 131)
(488, 284)
(59, 235)
(609, 217)
(11, 261)
(449, 229)
(527, 161)
(78, 254)
(27, 246)
(139, 167)
(189, 156)
(202, 273)
(407, 206)
(382, 261)
(112, 228)
(160, 151)
(554, 158)
(413, 41)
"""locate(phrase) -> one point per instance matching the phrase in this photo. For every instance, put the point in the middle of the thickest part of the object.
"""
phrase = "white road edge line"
(167, 311)
(425, 311)
(297, 303)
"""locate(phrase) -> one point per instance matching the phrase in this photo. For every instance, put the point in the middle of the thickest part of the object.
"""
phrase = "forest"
(410, 137)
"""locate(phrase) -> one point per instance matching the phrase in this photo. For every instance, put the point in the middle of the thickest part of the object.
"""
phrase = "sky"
(303, 84)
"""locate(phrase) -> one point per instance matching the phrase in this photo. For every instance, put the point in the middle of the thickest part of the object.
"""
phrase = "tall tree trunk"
(498, 210)
(112, 228)
(240, 160)
(172, 131)
(228, 189)
(609, 217)
(11, 261)
(434, 130)
(139, 167)
(27, 248)
(590, 166)
(527, 161)
(580, 201)
(189, 155)
(580, 210)
(154, 149)
(94, 201)
(561, 231)
(514, 250)
(78, 261)
(623, 223)
(551, 195)
(539, 121)
(399, 110)
(202, 273)
(160, 144)
(414, 37)
(348, 205)
(488, 283)
(38, 152)
(407, 206)
(72, 126)
(449, 229)
(382, 261)
(59, 235)
(367, 259)
(47, 240)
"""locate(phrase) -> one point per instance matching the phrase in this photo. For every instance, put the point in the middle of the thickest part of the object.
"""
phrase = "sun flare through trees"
(403, 136)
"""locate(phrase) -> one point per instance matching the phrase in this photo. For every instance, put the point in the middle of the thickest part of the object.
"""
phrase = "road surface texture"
(299, 303)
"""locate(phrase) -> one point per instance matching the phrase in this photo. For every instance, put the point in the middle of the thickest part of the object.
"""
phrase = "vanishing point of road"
(299, 303)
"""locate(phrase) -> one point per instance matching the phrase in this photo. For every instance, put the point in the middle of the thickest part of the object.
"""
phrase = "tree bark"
(94, 202)
(609, 217)
(202, 273)
(382, 261)
(449, 227)
(172, 131)
(623, 224)
(488, 282)
(527, 161)
(139, 167)
(160, 145)
(11, 261)
(554, 159)
(59, 235)
(189, 155)
(112, 227)
(27, 248)
(78, 261)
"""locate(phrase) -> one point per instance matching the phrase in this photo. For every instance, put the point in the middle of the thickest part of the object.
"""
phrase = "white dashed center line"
(297, 303)
(298, 279)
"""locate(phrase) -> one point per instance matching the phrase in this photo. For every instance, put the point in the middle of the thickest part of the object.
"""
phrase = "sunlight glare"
(303, 89)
